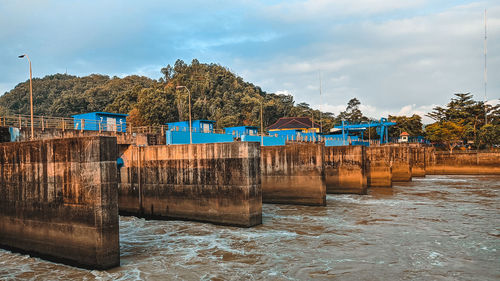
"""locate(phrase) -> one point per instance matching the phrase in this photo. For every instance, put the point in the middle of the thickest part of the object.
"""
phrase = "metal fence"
(59, 123)
(148, 129)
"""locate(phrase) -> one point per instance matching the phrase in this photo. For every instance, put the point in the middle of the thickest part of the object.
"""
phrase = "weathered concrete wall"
(213, 182)
(379, 166)
(345, 169)
(122, 138)
(401, 163)
(293, 174)
(464, 163)
(418, 160)
(58, 199)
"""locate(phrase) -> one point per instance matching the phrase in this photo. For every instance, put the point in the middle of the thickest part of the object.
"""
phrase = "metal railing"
(148, 129)
(60, 123)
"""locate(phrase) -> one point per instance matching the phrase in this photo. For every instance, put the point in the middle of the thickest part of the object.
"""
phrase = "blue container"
(198, 126)
(241, 131)
(101, 121)
(267, 141)
(182, 137)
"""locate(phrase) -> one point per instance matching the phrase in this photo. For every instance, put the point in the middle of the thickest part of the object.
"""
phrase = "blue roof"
(201, 120)
(192, 121)
(237, 127)
(101, 113)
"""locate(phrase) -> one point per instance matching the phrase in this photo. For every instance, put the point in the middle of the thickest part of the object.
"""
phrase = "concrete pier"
(464, 163)
(293, 174)
(379, 166)
(213, 182)
(58, 200)
(418, 160)
(345, 169)
(401, 163)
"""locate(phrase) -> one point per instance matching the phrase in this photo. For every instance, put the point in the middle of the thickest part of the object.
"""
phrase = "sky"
(397, 57)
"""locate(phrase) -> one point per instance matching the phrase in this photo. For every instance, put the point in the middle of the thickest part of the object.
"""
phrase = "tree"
(4, 111)
(352, 113)
(156, 107)
(446, 132)
(465, 110)
(490, 134)
(412, 125)
(134, 118)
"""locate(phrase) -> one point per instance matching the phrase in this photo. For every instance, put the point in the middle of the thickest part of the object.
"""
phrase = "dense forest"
(220, 95)
(216, 94)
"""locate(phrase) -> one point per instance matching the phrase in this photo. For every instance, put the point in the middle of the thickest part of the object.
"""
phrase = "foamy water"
(434, 228)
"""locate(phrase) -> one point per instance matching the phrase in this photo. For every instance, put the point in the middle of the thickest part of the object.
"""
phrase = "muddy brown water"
(433, 228)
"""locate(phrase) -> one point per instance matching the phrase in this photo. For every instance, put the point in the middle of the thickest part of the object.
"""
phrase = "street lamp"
(261, 124)
(369, 131)
(31, 95)
(190, 131)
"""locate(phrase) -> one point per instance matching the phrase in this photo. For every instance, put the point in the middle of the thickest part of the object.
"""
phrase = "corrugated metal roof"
(101, 113)
(293, 122)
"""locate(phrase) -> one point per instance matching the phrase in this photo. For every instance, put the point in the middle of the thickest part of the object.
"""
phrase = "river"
(433, 228)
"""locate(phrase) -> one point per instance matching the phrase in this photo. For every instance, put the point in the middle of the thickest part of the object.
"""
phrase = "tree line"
(465, 121)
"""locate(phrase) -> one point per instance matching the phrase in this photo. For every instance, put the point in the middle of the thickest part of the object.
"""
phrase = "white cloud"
(314, 9)
(335, 109)
(404, 65)
(284, 92)
(493, 102)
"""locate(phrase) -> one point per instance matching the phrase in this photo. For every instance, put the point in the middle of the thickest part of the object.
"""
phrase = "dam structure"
(61, 194)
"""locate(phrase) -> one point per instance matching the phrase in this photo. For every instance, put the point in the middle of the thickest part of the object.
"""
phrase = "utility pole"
(189, 102)
(31, 95)
(320, 102)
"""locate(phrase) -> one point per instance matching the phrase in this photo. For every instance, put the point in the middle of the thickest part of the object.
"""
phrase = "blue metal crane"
(382, 128)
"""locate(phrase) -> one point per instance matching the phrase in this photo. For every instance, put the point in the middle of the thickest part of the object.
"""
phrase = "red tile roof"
(293, 123)
(404, 134)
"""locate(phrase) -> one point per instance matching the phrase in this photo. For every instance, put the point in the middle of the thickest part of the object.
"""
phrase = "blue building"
(100, 121)
(182, 137)
(241, 131)
(198, 126)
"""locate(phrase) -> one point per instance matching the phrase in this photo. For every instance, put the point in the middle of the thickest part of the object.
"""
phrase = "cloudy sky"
(395, 56)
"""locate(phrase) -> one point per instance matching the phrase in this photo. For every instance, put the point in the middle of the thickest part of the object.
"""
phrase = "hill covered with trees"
(216, 94)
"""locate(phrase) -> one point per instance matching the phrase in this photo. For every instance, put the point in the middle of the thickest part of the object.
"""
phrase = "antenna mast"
(485, 71)
(320, 102)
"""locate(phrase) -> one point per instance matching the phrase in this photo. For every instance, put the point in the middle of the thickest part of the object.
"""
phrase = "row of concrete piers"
(61, 198)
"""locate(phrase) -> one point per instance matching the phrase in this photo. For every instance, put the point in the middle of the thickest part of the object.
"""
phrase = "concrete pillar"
(58, 200)
(293, 174)
(417, 160)
(401, 163)
(345, 169)
(212, 182)
(379, 166)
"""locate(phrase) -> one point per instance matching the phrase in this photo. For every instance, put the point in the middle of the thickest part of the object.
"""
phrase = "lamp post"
(343, 136)
(190, 131)
(369, 129)
(31, 94)
(261, 124)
